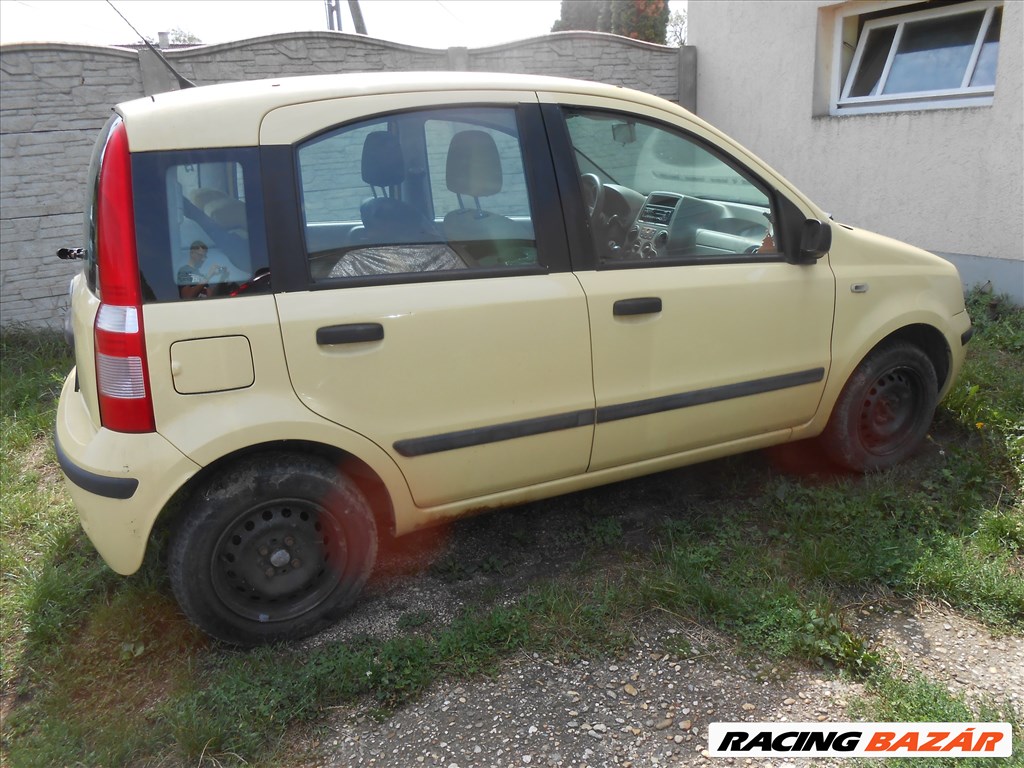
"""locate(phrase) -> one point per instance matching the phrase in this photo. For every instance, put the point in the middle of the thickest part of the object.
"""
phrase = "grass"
(104, 671)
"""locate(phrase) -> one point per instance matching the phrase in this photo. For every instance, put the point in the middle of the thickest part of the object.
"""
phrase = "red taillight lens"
(122, 377)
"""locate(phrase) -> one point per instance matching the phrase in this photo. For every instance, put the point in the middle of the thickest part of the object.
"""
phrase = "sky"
(427, 23)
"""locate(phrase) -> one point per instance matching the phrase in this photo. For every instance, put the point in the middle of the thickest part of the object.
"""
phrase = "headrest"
(383, 164)
(474, 167)
(227, 212)
(203, 196)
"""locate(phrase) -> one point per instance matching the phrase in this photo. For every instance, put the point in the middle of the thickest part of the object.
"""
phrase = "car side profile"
(314, 309)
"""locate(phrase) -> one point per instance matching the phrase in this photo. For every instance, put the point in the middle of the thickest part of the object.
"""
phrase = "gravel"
(648, 706)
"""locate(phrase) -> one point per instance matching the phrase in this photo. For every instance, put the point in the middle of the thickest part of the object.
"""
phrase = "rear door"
(436, 314)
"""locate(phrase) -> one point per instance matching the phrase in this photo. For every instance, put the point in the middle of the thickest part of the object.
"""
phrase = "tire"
(273, 548)
(885, 409)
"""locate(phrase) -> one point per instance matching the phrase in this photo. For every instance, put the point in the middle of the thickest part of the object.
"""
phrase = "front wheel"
(273, 548)
(885, 409)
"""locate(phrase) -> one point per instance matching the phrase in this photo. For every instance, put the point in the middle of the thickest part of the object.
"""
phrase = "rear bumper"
(118, 482)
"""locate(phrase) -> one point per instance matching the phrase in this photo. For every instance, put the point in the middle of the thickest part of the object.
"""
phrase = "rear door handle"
(350, 333)
(647, 305)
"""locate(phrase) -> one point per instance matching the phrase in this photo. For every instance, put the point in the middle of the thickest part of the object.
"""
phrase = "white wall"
(947, 180)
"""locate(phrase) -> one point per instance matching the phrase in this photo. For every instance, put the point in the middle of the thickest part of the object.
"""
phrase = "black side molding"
(966, 336)
(449, 441)
(420, 446)
(710, 395)
(648, 305)
(101, 485)
(351, 333)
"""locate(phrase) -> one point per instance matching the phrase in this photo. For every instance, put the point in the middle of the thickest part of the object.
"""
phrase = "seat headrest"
(474, 167)
(383, 163)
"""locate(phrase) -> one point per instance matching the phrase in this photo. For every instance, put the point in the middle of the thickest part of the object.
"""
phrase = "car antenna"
(183, 82)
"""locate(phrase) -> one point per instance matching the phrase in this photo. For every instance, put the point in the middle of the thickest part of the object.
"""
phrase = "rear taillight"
(122, 377)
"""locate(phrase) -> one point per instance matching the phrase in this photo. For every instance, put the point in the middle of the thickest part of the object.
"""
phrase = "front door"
(702, 333)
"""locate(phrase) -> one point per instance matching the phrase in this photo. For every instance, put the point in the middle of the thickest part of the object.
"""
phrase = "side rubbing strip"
(709, 395)
(449, 441)
(101, 485)
(420, 446)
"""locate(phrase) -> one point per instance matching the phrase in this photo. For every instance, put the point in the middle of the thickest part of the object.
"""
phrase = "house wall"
(55, 98)
(947, 180)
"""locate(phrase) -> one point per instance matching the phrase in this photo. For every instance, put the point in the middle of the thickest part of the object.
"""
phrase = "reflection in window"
(935, 55)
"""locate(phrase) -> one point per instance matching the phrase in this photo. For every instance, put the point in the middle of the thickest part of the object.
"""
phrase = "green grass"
(104, 671)
(913, 698)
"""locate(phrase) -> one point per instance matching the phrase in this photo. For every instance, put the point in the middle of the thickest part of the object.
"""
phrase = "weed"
(892, 697)
(414, 620)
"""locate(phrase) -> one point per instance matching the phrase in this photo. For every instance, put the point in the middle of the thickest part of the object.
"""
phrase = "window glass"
(200, 224)
(656, 193)
(876, 52)
(416, 192)
(933, 55)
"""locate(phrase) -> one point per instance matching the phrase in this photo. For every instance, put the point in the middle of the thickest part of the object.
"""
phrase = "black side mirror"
(815, 240)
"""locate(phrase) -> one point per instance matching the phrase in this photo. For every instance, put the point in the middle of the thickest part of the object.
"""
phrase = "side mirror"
(815, 240)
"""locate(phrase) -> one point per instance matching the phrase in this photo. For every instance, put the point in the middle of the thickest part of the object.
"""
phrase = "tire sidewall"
(220, 502)
(843, 439)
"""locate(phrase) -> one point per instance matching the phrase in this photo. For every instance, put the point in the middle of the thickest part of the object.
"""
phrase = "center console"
(648, 236)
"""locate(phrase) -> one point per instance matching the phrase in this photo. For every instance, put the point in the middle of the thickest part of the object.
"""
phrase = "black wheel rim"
(278, 560)
(890, 410)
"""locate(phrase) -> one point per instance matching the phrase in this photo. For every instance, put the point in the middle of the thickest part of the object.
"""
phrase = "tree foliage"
(592, 15)
(675, 33)
(639, 19)
(179, 36)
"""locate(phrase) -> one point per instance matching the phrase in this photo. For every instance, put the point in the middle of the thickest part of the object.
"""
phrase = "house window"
(914, 58)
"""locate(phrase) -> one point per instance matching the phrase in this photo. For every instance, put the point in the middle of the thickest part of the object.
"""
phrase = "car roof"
(229, 114)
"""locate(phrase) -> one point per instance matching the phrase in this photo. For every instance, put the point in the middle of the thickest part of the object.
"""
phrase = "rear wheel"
(885, 409)
(272, 548)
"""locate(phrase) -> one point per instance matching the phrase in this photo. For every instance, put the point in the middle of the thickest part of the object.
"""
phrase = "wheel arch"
(362, 474)
(929, 340)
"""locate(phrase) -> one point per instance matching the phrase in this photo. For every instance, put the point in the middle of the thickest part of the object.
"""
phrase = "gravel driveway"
(650, 706)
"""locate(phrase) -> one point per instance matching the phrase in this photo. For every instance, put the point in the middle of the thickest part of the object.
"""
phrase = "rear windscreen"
(199, 224)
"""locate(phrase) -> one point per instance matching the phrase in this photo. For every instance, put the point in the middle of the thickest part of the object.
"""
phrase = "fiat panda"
(316, 309)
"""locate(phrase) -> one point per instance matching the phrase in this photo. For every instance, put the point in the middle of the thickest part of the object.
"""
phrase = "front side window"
(200, 224)
(426, 193)
(912, 59)
(655, 193)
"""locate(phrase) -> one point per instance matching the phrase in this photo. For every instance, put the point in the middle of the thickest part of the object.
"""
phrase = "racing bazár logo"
(861, 739)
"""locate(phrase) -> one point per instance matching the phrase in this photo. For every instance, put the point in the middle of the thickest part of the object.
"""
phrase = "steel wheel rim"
(889, 409)
(278, 560)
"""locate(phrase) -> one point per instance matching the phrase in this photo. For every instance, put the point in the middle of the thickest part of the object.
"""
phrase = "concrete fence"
(56, 97)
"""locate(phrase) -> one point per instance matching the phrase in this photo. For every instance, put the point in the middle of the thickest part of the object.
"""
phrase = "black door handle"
(351, 333)
(647, 305)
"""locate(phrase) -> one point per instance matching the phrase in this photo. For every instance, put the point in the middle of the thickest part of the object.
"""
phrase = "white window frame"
(964, 96)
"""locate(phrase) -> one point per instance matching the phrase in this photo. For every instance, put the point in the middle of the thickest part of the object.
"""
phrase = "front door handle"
(350, 333)
(648, 305)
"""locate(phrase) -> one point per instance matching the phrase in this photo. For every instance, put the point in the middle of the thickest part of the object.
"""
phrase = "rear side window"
(199, 224)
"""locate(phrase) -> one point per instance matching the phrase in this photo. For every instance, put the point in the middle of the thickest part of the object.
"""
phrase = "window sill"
(916, 106)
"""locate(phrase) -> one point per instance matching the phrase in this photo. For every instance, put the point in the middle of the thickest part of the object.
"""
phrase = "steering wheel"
(593, 195)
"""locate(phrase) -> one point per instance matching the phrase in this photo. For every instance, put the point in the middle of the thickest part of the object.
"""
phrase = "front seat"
(387, 219)
(474, 170)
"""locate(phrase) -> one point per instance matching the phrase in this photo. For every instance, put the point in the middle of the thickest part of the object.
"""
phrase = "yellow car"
(314, 308)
